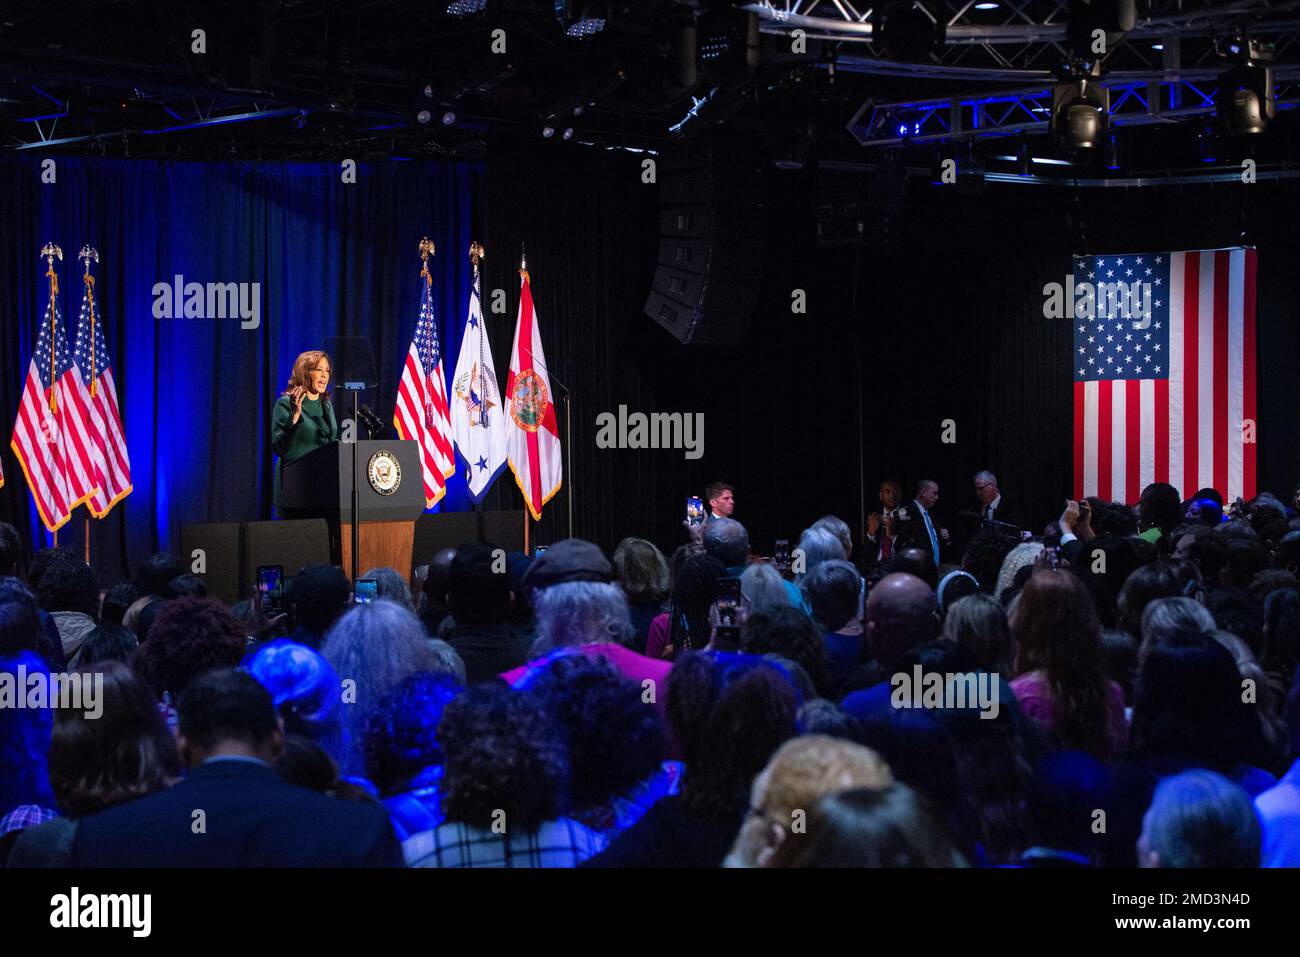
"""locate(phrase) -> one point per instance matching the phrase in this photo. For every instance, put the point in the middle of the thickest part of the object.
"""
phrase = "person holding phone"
(303, 418)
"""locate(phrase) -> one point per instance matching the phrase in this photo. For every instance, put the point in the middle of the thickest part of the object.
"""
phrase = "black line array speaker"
(216, 550)
(712, 222)
(292, 543)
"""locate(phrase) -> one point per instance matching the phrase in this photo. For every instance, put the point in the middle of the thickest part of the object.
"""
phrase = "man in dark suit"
(882, 525)
(919, 526)
(992, 506)
(233, 809)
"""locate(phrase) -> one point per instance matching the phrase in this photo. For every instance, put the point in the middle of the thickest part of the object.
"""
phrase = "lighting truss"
(1134, 101)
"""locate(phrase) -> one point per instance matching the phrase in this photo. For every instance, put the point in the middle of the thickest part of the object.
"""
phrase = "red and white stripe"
(114, 464)
(38, 441)
(422, 416)
(1190, 429)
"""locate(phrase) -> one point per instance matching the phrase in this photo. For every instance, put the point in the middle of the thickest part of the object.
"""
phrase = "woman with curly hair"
(615, 742)
(189, 636)
(503, 788)
(403, 757)
(729, 713)
(1061, 666)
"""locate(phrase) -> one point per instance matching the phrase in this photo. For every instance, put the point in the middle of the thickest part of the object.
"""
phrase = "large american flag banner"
(1164, 373)
(422, 414)
(51, 438)
(94, 368)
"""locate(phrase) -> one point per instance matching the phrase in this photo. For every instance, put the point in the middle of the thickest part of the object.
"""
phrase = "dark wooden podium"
(319, 485)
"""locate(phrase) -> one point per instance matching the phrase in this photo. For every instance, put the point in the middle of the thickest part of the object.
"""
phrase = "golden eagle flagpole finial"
(426, 250)
(88, 253)
(51, 252)
(476, 253)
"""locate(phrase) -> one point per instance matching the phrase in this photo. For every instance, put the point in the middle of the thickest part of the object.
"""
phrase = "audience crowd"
(701, 708)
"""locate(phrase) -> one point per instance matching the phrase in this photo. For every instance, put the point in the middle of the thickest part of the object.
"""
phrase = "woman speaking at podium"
(303, 419)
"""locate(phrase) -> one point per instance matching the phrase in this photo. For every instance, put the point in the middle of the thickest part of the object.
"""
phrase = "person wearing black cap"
(318, 596)
(480, 596)
(569, 560)
(579, 608)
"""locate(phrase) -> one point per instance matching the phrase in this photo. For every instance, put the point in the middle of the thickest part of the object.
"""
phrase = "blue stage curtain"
(333, 258)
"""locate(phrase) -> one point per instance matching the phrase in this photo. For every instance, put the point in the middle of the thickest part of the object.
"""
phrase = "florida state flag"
(532, 440)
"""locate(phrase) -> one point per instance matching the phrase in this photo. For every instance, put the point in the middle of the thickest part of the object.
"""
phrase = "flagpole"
(568, 452)
(50, 251)
(523, 272)
(477, 253)
(87, 254)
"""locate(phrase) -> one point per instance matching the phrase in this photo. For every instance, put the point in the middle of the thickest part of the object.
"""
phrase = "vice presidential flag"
(532, 439)
(477, 415)
(1164, 373)
(421, 414)
(94, 368)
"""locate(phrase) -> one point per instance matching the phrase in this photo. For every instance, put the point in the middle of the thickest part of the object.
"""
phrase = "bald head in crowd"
(727, 541)
(901, 614)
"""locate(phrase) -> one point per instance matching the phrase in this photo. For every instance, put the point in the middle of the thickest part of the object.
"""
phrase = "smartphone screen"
(270, 588)
(781, 554)
(728, 600)
(694, 510)
(367, 590)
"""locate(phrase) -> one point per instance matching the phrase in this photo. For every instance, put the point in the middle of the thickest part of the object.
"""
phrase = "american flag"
(112, 465)
(422, 414)
(1164, 373)
(50, 436)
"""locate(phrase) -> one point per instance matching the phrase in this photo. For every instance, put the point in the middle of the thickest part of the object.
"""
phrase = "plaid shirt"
(25, 816)
(559, 843)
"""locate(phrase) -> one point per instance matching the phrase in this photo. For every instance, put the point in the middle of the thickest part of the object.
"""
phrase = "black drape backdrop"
(944, 322)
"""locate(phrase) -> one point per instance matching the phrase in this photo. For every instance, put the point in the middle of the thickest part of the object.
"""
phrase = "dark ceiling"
(316, 79)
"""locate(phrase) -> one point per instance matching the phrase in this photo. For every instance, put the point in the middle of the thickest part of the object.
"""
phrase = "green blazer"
(290, 442)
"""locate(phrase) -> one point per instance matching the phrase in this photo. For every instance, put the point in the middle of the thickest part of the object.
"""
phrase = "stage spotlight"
(1080, 108)
(906, 30)
(466, 8)
(1245, 104)
(567, 134)
(428, 90)
(548, 131)
(424, 116)
(581, 18)
(448, 118)
(986, 6)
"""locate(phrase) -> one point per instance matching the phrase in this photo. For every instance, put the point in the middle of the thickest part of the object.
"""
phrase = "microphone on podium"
(372, 423)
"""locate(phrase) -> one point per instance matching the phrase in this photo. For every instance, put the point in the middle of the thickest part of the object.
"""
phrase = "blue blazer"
(251, 818)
